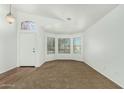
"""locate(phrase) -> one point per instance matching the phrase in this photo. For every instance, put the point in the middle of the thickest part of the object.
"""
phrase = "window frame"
(66, 48)
(53, 46)
(74, 45)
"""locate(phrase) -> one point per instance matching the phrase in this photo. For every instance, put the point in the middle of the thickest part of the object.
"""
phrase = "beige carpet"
(64, 74)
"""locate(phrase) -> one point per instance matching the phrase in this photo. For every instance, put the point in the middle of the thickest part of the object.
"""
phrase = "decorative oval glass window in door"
(28, 26)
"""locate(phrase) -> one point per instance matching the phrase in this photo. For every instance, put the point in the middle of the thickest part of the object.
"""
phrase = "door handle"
(33, 50)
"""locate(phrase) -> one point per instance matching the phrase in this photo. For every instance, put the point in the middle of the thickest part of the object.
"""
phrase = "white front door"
(27, 49)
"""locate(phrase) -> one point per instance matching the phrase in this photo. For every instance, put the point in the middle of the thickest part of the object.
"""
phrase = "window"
(77, 45)
(63, 45)
(28, 26)
(50, 45)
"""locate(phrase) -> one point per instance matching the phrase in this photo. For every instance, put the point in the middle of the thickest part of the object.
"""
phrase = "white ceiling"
(82, 15)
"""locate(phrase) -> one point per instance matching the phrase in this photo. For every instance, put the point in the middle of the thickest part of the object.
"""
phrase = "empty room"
(61, 46)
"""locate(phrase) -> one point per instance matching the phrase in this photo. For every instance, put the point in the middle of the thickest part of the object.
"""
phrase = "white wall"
(56, 56)
(7, 42)
(104, 45)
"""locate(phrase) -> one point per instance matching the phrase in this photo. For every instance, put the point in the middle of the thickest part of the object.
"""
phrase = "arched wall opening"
(42, 35)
